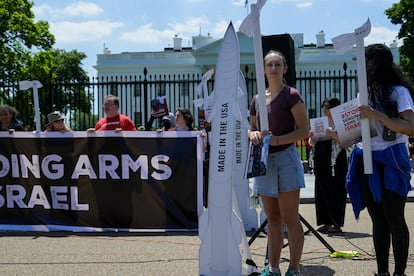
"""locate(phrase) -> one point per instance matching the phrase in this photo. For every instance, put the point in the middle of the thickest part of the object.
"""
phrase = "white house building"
(202, 55)
(179, 61)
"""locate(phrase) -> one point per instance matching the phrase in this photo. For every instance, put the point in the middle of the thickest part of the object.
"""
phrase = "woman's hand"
(310, 138)
(257, 136)
(332, 133)
(404, 123)
(367, 112)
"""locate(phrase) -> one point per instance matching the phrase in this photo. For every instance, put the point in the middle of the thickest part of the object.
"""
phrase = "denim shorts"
(284, 173)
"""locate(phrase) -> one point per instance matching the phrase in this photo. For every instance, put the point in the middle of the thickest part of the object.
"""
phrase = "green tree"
(26, 52)
(83, 121)
(19, 34)
(64, 82)
(403, 13)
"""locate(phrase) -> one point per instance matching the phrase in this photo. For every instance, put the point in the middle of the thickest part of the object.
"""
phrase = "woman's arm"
(403, 124)
(254, 135)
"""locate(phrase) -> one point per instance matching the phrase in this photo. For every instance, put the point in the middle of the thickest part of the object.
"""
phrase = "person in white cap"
(56, 122)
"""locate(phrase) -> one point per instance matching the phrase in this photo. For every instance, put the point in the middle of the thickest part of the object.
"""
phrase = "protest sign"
(318, 127)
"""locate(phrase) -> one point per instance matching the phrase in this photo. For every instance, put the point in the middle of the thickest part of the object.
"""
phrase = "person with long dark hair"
(384, 192)
(330, 166)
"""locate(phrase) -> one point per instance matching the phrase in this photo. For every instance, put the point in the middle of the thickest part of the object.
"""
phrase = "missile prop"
(219, 227)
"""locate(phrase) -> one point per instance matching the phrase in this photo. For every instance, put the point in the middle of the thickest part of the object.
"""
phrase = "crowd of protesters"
(182, 119)
(391, 112)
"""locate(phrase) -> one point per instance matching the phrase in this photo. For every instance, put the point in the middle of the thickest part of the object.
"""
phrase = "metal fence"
(82, 102)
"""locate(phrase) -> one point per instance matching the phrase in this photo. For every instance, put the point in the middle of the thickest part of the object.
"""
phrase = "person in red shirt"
(113, 120)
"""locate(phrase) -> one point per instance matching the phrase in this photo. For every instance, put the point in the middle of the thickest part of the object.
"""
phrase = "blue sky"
(150, 25)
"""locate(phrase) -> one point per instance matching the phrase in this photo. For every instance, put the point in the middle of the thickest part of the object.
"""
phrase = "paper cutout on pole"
(206, 101)
(342, 44)
(35, 84)
(345, 42)
(202, 86)
(251, 27)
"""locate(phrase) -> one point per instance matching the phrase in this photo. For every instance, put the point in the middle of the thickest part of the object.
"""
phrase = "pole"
(342, 44)
(251, 27)
(35, 84)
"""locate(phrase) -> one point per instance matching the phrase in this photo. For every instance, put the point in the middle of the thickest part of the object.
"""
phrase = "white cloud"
(43, 11)
(381, 35)
(220, 28)
(83, 9)
(239, 3)
(147, 35)
(236, 25)
(78, 32)
(190, 26)
(79, 9)
(196, 1)
(299, 2)
(303, 5)
(376, 1)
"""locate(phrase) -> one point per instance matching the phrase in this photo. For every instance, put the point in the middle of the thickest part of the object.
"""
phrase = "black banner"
(100, 182)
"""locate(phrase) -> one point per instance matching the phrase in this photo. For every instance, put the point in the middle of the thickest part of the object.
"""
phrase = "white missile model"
(219, 227)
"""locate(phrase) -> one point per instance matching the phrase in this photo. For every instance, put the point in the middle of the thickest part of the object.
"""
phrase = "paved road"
(62, 253)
